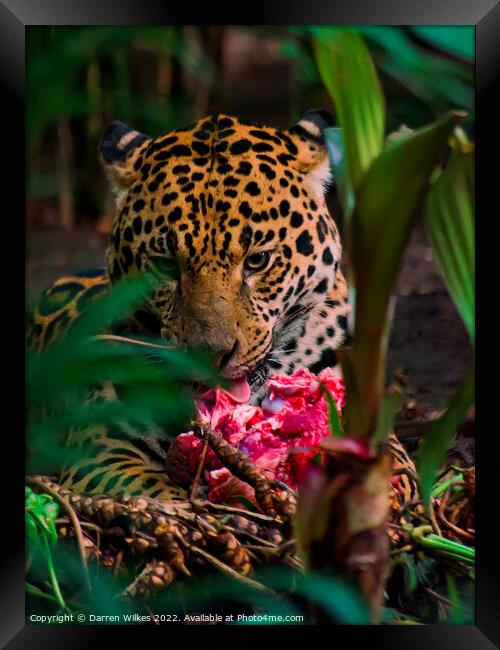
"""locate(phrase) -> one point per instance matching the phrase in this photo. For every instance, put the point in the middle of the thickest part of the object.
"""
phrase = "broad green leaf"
(336, 152)
(437, 439)
(350, 77)
(111, 307)
(389, 406)
(342, 601)
(451, 83)
(336, 598)
(457, 39)
(449, 221)
(333, 415)
(387, 206)
(150, 376)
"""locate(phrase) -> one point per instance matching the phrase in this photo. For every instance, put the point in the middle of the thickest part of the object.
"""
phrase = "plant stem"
(36, 482)
(442, 487)
(34, 591)
(53, 577)
(441, 546)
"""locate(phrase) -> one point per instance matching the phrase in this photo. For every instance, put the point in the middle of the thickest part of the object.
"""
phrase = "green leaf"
(437, 439)
(387, 206)
(456, 616)
(317, 460)
(336, 151)
(340, 601)
(349, 75)
(151, 379)
(389, 406)
(450, 84)
(458, 40)
(41, 513)
(338, 598)
(441, 487)
(409, 570)
(54, 89)
(449, 221)
(112, 306)
(333, 415)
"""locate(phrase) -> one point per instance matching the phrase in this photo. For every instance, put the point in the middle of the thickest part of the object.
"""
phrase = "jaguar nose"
(223, 358)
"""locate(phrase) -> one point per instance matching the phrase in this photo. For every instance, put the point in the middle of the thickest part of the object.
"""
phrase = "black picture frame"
(15, 15)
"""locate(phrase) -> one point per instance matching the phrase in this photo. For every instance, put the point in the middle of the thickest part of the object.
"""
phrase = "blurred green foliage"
(153, 379)
(342, 56)
(383, 184)
(424, 71)
(450, 223)
(287, 593)
(383, 188)
(161, 78)
(81, 78)
(58, 379)
(89, 71)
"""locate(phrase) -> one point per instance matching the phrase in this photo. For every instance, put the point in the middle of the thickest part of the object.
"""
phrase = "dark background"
(160, 78)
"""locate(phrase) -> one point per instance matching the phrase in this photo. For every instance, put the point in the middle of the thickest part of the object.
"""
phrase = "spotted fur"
(240, 210)
(211, 196)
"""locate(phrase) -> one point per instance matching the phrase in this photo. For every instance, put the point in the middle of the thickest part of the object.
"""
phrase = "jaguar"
(241, 210)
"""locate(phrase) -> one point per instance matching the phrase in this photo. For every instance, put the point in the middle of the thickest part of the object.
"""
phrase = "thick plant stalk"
(342, 523)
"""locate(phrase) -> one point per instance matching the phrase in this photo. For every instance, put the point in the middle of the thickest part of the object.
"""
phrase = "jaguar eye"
(164, 267)
(257, 261)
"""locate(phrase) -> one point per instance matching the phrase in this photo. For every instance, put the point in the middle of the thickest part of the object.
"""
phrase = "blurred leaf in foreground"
(387, 207)
(349, 75)
(449, 222)
(439, 81)
(456, 39)
(151, 378)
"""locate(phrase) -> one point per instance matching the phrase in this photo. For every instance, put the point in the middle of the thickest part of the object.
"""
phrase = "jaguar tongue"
(239, 389)
(215, 403)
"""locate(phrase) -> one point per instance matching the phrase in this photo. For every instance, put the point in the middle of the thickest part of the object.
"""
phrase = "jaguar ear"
(308, 136)
(118, 150)
(312, 124)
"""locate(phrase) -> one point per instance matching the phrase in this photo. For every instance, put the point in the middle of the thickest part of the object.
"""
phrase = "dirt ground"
(429, 342)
